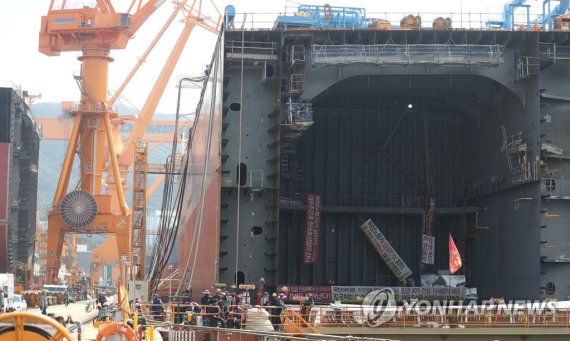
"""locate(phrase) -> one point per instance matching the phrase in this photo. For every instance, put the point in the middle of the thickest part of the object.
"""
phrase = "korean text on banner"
(312, 228)
(386, 251)
(428, 249)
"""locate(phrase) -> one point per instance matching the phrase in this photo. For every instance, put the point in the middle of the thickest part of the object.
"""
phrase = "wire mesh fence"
(439, 54)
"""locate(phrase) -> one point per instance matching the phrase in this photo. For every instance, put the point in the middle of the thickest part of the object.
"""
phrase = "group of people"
(221, 310)
(156, 306)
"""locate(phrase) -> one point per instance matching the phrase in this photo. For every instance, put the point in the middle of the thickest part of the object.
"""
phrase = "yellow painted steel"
(115, 164)
(67, 162)
(99, 157)
(22, 319)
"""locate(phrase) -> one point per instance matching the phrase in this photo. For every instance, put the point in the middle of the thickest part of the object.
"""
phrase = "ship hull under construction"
(19, 154)
(377, 124)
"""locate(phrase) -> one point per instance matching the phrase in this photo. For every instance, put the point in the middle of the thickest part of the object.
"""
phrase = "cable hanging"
(173, 197)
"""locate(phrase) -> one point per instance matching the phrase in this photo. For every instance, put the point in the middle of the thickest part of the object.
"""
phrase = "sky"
(21, 64)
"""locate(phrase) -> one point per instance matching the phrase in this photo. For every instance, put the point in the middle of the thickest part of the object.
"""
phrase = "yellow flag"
(123, 299)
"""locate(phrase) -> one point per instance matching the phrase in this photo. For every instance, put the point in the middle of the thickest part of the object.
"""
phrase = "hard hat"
(206, 292)
(274, 295)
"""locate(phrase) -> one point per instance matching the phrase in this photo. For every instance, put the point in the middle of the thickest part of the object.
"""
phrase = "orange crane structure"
(95, 31)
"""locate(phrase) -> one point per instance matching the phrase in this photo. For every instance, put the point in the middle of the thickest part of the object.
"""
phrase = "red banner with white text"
(312, 228)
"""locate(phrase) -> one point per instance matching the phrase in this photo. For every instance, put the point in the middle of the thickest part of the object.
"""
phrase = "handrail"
(294, 323)
(459, 20)
(292, 320)
(519, 318)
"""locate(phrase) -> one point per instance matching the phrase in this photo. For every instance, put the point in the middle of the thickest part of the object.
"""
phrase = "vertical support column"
(94, 77)
(55, 236)
(139, 210)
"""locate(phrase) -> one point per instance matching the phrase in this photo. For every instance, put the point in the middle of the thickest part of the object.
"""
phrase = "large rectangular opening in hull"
(383, 154)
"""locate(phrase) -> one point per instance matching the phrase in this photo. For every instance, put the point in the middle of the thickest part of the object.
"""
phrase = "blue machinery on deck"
(326, 16)
(545, 20)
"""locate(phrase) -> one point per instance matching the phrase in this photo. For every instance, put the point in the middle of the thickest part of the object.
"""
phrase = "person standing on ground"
(279, 305)
(1, 300)
(44, 302)
(260, 292)
(101, 300)
(156, 308)
(306, 307)
(66, 298)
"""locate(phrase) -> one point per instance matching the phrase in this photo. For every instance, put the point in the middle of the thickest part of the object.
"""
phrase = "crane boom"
(143, 13)
(508, 12)
(193, 18)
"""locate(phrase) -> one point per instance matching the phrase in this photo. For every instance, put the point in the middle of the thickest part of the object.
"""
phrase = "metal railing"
(487, 20)
(406, 54)
(251, 50)
(294, 318)
(520, 174)
(555, 188)
(301, 112)
(553, 52)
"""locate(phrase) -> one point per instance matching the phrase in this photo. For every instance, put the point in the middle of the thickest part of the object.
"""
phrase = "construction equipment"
(411, 21)
(555, 18)
(326, 16)
(95, 31)
(441, 23)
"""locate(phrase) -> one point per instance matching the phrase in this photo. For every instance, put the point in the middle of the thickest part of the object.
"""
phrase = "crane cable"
(169, 223)
(169, 220)
(195, 238)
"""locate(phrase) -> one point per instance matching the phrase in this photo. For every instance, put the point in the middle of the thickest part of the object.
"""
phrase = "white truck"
(7, 284)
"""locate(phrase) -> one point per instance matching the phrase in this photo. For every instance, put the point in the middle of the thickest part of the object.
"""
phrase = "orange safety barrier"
(113, 328)
(293, 322)
(172, 310)
(290, 318)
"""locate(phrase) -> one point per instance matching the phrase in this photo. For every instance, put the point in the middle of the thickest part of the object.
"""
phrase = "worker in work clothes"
(44, 302)
(306, 307)
(101, 300)
(156, 308)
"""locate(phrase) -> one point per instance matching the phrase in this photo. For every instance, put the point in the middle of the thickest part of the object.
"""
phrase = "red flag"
(455, 262)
